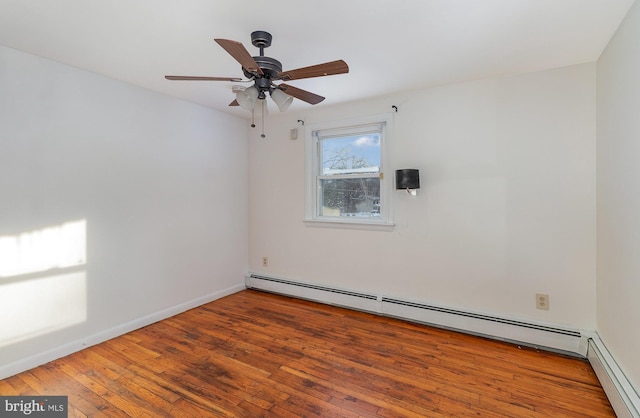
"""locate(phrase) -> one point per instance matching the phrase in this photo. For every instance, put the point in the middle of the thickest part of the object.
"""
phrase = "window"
(346, 182)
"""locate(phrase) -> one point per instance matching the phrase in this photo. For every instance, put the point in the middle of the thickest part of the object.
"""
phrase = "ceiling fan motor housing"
(270, 67)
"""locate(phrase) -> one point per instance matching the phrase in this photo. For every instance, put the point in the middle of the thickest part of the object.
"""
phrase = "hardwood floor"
(254, 354)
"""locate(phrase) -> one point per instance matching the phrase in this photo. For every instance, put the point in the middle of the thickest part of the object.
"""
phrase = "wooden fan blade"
(305, 96)
(240, 53)
(197, 78)
(320, 70)
(234, 103)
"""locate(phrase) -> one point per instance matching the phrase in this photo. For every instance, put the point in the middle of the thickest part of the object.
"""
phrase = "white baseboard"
(623, 397)
(80, 344)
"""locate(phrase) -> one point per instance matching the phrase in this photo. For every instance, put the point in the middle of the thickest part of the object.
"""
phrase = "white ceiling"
(389, 45)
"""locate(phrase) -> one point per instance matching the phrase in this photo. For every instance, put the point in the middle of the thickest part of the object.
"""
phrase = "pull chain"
(262, 135)
(253, 113)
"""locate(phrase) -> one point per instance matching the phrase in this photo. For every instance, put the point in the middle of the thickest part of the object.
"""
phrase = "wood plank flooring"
(255, 354)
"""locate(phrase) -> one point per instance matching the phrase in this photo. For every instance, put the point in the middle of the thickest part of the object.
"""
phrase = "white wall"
(618, 167)
(158, 181)
(506, 209)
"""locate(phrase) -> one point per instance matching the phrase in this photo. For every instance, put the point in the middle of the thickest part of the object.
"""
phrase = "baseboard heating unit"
(323, 294)
(537, 335)
(587, 344)
(623, 397)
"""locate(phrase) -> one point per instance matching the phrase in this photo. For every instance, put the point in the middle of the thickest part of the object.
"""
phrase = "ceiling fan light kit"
(264, 72)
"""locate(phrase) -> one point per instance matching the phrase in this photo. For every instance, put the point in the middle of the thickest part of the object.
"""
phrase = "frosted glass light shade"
(247, 98)
(282, 99)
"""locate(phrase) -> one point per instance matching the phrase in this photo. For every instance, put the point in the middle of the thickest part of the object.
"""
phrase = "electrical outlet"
(542, 301)
(265, 261)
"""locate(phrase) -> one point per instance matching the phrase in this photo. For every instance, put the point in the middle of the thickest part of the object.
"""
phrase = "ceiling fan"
(265, 71)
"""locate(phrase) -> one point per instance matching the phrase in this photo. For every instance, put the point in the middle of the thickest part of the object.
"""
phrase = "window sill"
(362, 225)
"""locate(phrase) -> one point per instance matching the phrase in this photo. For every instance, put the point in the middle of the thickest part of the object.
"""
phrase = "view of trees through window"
(350, 175)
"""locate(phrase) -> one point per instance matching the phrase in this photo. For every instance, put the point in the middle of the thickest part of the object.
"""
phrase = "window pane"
(350, 154)
(350, 197)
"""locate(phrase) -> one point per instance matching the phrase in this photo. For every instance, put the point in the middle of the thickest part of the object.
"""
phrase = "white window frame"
(313, 174)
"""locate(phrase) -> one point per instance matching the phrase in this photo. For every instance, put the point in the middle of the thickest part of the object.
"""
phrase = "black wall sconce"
(408, 179)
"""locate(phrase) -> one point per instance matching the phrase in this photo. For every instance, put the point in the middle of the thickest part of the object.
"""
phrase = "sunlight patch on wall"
(52, 295)
(59, 246)
(39, 306)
